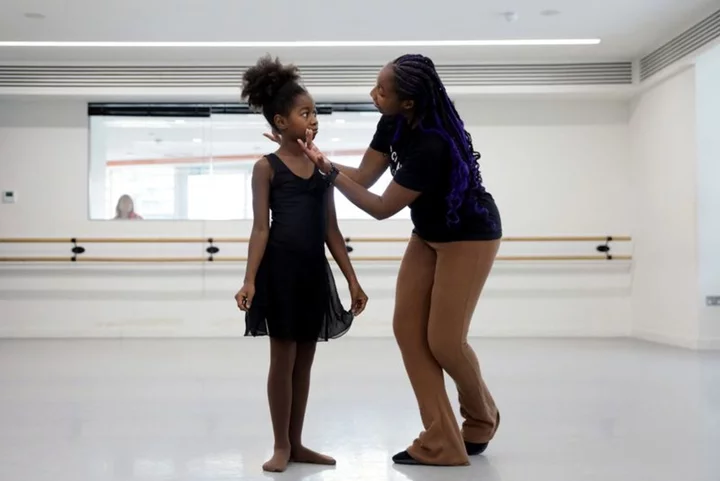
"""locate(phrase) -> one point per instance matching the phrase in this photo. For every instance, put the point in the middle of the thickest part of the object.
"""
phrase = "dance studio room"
(373, 241)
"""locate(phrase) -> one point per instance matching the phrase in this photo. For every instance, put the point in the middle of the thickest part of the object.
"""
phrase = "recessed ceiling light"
(198, 141)
(335, 139)
(34, 15)
(550, 13)
(315, 44)
(510, 16)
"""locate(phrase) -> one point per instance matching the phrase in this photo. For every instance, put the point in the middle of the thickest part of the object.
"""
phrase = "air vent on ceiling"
(682, 45)
(617, 73)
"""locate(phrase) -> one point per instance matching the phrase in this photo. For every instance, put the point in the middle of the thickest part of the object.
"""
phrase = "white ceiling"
(628, 28)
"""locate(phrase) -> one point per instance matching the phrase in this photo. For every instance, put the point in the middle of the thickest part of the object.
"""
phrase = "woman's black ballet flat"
(405, 458)
(473, 449)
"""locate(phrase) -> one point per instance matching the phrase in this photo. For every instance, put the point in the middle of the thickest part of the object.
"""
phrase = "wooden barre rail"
(212, 250)
(231, 240)
(78, 251)
(160, 260)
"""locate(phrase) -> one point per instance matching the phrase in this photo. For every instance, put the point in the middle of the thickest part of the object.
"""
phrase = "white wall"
(663, 206)
(556, 166)
(707, 80)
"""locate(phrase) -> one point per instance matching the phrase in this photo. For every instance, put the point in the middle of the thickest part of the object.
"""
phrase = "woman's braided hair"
(416, 79)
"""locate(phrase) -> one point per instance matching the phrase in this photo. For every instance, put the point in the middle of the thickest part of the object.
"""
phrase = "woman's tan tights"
(438, 288)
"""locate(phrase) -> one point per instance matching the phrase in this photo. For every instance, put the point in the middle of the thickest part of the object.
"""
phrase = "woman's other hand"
(273, 136)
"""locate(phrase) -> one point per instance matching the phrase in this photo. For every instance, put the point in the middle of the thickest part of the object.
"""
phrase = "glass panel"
(138, 165)
(201, 168)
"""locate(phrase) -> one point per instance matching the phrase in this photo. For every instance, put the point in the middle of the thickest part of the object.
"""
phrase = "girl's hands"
(245, 296)
(359, 298)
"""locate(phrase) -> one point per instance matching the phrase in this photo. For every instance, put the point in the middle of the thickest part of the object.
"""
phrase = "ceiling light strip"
(306, 44)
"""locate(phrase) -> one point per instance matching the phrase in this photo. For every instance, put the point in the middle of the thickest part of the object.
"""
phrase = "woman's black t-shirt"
(421, 161)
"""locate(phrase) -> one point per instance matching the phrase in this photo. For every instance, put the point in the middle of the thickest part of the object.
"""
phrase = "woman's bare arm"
(372, 166)
(393, 200)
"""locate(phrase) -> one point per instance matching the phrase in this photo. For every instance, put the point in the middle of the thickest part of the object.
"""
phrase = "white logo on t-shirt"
(394, 160)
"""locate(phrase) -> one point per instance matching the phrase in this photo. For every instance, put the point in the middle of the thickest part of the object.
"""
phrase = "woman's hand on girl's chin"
(314, 154)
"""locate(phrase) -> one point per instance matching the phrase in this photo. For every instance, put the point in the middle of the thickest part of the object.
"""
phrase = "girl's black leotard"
(295, 293)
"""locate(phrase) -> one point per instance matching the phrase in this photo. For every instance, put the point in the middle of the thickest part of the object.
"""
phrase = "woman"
(125, 208)
(455, 239)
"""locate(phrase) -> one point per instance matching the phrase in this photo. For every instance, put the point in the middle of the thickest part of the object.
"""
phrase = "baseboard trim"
(660, 338)
(712, 344)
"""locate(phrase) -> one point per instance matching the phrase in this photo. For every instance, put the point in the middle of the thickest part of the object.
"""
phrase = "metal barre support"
(76, 249)
(605, 248)
(212, 250)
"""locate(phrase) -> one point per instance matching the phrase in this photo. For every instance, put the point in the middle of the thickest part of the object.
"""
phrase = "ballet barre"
(172, 260)
(236, 240)
(77, 250)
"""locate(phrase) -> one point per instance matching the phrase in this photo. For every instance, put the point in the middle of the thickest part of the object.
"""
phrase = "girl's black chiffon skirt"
(296, 298)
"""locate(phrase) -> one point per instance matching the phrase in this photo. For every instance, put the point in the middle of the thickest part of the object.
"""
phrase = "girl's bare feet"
(302, 454)
(279, 461)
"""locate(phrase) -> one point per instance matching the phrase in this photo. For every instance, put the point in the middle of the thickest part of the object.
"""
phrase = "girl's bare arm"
(262, 173)
(336, 242)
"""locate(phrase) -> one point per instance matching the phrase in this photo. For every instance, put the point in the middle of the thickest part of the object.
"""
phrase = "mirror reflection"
(199, 168)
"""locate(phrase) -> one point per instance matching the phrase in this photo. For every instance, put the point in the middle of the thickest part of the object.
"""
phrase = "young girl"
(289, 292)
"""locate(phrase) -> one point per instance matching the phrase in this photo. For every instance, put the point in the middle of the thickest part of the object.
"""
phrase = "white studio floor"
(196, 410)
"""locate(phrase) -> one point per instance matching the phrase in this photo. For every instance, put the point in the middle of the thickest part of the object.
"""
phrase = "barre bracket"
(212, 250)
(605, 248)
(76, 250)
